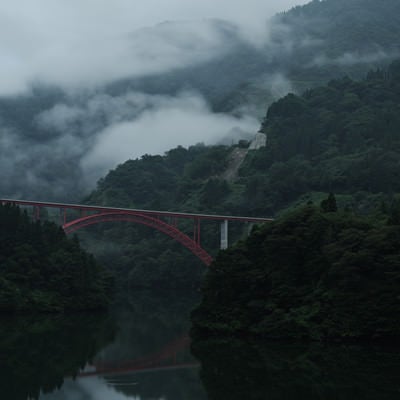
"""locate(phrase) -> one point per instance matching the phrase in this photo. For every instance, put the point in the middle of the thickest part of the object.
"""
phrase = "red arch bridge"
(77, 216)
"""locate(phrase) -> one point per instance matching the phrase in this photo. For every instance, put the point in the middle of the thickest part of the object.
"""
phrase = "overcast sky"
(75, 42)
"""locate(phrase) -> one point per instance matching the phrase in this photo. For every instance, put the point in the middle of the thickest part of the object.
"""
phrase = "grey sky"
(80, 42)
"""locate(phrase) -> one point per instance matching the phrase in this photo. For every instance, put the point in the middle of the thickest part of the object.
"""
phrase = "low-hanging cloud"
(84, 43)
(86, 62)
(349, 58)
(78, 141)
(87, 44)
(168, 122)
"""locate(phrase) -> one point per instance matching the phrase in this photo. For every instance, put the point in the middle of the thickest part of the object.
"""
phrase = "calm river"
(141, 351)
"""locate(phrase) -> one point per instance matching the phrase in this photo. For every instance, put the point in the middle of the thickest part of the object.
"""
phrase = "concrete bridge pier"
(224, 235)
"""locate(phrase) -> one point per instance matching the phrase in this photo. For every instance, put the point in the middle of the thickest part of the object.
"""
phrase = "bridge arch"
(142, 219)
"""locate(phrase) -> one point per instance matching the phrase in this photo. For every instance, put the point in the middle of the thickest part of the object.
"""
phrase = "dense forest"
(341, 138)
(42, 270)
(179, 180)
(314, 274)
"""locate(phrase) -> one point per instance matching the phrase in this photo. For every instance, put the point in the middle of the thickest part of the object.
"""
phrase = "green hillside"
(341, 138)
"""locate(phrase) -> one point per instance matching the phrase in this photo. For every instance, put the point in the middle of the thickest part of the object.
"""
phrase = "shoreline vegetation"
(41, 270)
(315, 274)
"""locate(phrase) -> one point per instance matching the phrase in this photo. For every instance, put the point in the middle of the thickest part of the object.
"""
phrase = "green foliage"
(181, 180)
(329, 204)
(340, 138)
(309, 275)
(42, 270)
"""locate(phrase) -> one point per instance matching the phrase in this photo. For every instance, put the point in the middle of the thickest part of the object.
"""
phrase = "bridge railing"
(164, 221)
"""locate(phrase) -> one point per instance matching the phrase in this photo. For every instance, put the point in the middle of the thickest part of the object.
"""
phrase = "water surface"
(141, 351)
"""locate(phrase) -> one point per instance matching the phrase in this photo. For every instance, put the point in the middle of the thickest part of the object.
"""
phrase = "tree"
(329, 204)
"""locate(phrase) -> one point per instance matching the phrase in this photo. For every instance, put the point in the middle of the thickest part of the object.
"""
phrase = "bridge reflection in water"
(175, 355)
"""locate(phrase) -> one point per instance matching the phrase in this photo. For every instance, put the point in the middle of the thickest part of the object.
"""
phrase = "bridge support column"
(224, 235)
(36, 211)
(63, 216)
(250, 226)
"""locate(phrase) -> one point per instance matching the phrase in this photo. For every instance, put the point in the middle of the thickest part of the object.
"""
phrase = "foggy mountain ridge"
(195, 81)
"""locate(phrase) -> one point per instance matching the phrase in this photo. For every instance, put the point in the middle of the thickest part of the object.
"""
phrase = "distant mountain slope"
(345, 26)
(308, 45)
(323, 40)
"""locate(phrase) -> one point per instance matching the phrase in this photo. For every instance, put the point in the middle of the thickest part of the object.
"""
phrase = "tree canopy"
(309, 275)
(42, 270)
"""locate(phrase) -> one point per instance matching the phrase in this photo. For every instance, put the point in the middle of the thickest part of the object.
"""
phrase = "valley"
(292, 119)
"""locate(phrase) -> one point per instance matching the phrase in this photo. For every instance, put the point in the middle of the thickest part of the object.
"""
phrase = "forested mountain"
(342, 137)
(48, 134)
(42, 270)
(333, 36)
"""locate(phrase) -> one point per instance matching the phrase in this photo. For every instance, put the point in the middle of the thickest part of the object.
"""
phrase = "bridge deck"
(157, 213)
